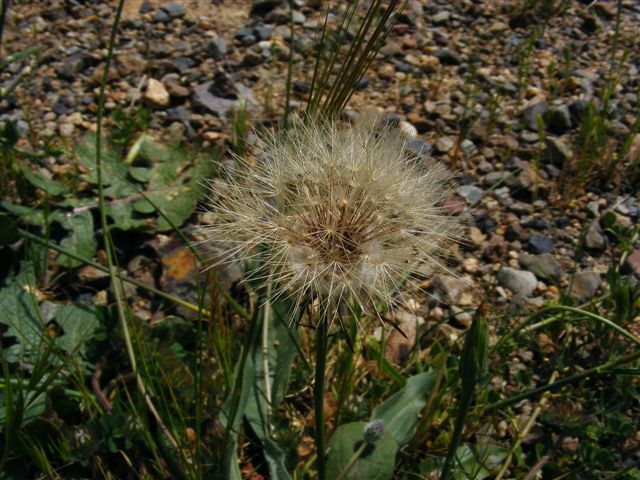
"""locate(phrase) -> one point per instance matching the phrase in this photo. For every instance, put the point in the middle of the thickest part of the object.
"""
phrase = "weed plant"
(222, 388)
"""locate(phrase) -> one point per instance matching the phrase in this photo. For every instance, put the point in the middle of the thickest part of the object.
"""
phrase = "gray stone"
(441, 17)
(531, 114)
(593, 208)
(558, 119)
(263, 33)
(262, 7)
(444, 144)
(247, 39)
(585, 285)
(174, 10)
(74, 65)
(448, 289)
(220, 106)
(418, 147)
(485, 167)
(217, 48)
(468, 147)
(558, 152)
(494, 178)
(183, 64)
(298, 17)
(470, 193)
(447, 57)
(145, 7)
(161, 17)
(518, 281)
(540, 244)
(543, 266)
(595, 239)
(578, 111)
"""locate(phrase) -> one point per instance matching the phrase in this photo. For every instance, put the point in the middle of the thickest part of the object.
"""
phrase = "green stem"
(598, 370)
(579, 311)
(563, 308)
(318, 389)
(465, 404)
(352, 461)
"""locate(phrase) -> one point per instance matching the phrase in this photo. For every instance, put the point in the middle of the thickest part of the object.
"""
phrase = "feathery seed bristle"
(339, 213)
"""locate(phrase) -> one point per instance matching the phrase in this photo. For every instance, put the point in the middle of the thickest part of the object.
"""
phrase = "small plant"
(334, 217)
(129, 123)
(599, 149)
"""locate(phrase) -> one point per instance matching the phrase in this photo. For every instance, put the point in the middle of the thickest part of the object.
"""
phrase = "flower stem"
(318, 392)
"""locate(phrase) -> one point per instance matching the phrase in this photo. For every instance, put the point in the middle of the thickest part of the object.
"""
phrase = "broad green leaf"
(281, 352)
(28, 215)
(48, 185)
(230, 463)
(141, 174)
(143, 206)
(165, 179)
(19, 312)
(31, 406)
(80, 239)
(375, 462)
(78, 324)
(113, 169)
(125, 218)
(400, 411)
(471, 461)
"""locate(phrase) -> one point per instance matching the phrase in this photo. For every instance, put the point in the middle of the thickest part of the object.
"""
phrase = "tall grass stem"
(318, 389)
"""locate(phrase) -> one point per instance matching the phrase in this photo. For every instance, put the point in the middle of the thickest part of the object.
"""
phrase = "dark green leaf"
(281, 352)
(400, 411)
(8, 230)
(48, 185)
(19, 312)
(375, 462)
(80, 239)
(28, 215)
(78, 324)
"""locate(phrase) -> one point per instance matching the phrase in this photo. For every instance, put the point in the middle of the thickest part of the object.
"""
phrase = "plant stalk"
(318, 389)
(598, 370)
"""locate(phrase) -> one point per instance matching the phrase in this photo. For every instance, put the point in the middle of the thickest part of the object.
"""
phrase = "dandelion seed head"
(335, 213)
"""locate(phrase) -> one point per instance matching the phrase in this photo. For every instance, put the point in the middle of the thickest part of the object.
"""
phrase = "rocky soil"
(465, 79)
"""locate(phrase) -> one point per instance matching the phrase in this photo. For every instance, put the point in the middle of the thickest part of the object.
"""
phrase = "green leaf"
(8, 230)
(113, 169)
(168, 179)
(471, 461)
(375, 462)
(78, 324)
(28, 215)
(48, 185)
(609, 220)
(9, 134)
(281, 352)
(19, 312)
(125, 218)
(400, 411)
(141, 174)
(31, 405)
(80, 239)
(175, 184)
